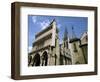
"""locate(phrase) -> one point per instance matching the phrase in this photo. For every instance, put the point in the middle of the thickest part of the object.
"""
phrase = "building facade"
(46, 46)
(48, 51)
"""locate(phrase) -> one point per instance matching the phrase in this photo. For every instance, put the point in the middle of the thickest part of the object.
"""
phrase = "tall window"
(75, 49)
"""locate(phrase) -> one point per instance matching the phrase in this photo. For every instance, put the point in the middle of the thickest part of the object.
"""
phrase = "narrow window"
(75, 49)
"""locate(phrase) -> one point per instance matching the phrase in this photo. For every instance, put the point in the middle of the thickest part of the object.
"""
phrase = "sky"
(36, 23)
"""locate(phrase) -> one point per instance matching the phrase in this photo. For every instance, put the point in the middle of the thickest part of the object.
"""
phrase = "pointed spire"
(66, 34)
(74, 38)
(65, 38)
(73, 33)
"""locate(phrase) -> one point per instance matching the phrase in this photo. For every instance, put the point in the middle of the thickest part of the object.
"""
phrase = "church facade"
(47, 50)
(46, 45)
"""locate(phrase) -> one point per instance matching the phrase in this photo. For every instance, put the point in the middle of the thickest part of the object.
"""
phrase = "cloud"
(58, 26)
(44, 24)
(34, 19)
(29, 48)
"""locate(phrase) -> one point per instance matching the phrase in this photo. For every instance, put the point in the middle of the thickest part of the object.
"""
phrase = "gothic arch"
(36, 60)
(44, 58)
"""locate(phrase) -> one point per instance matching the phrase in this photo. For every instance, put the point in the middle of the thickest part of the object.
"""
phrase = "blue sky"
(37, 23)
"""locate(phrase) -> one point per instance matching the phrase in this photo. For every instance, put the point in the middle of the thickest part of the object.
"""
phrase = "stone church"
(47, 50)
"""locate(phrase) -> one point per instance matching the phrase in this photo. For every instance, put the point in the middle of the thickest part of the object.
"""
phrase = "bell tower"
(66, 56)
(65, 39)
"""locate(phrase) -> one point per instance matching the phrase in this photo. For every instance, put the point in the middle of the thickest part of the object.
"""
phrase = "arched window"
(44, 59)
(36, 60)
(75, 49)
